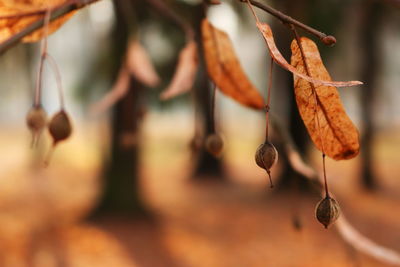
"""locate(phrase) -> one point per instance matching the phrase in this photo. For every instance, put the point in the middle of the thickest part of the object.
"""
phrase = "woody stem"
(326, 39)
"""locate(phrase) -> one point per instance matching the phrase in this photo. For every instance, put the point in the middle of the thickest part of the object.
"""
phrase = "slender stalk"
(252, 11)
(57, 73)
(267, 106)
(38, 90)
(43, 49)
(325, 180)
(326, 39)
(212, 107)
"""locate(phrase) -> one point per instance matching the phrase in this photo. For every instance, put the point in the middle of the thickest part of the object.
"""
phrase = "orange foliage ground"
(240, 223)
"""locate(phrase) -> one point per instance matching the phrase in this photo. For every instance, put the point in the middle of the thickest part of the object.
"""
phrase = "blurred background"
(133, 186)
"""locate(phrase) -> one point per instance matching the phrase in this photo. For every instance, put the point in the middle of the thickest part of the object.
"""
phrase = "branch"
(164, 10)
(326, 39)
(56, 12)
(345, 229)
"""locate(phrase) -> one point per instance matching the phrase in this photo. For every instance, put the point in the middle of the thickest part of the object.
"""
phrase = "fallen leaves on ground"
(224, 68)
(320, 107)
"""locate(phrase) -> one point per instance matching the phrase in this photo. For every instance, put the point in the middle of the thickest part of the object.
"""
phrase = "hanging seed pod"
(266, 157)
(327, 211)
(60, 128)
(214, 144)
(36, 121)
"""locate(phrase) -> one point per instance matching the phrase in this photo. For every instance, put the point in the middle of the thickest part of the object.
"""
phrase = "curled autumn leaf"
(15, 23)
(140, 66)
(224, 68)
(185, 72)
(117, 92)
(279, 59)
(320, 107)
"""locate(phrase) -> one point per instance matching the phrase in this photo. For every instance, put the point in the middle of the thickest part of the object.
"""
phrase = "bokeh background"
(128, 189)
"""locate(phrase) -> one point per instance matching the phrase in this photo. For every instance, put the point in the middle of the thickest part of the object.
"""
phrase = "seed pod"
(36, 121)
(60, 127)
(266, 156)
(327, 211)
(36, 118)
(214, 144)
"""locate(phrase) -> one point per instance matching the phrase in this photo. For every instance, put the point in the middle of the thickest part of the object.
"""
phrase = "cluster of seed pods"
(59, 126)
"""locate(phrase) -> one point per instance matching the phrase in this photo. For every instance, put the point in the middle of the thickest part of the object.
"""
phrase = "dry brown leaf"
(321, 110)
(279, 59)
(11, 26)
(140, 66)
(185, 72)
(30, 4)
(224, 68)
(117, 92)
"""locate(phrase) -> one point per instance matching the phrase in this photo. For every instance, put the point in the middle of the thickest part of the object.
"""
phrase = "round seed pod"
(36, 119)
(266, 156)
(327, 211)
(214, 144)
(60, 127)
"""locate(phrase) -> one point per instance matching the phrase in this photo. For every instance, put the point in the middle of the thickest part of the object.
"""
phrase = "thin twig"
(164, 10)
(345, 229)
(326, 39)
(55, 13)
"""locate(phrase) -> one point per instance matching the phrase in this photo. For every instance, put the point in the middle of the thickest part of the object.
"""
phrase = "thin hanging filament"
(43, 50)
(268, 98)
(57, 74)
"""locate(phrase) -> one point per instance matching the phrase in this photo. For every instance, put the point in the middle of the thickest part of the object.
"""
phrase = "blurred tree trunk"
(121, 188)
(208, 166)
(121, 192)
(371, 60)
